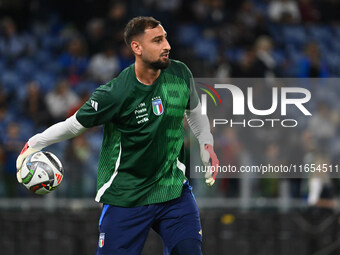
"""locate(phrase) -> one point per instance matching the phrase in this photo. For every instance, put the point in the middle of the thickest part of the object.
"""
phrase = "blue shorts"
(123, 231)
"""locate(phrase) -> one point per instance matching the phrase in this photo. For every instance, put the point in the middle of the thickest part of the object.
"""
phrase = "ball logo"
(37, 156)
(59, 177)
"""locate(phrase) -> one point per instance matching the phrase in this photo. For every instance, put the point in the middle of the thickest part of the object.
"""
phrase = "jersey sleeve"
(101, 107)
(193, 100)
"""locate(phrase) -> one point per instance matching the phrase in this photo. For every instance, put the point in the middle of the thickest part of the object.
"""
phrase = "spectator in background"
(261, 26)
(265, 59)
(95, 35)
(74, 61)
(284, 11)
(6, 96)
(104, 66)
(269, 186)
(241, 35)
(2, 165)
(231, 148)
(311, 64)
(167, 9)
(5, 119)
(209, 13)
(61, 100)
(3, 95)
(323, 126)
(12, 147)
(248, 66)
(84, 96)
(309, 12)
(321, 192)
(329, 10)
(77, 154)
(12, 45)
(223, 67)
(125, 57)
(35, 106)
(116, 20)
(247, 14)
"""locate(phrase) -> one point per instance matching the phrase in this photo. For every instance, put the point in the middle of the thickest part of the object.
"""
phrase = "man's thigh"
(178, 220)
(123, 230)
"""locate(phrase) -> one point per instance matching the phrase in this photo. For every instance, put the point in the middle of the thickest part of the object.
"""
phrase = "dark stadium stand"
(51, 42)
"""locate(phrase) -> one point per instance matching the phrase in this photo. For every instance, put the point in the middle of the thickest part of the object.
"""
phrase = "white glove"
(209, 158)
(25, 152)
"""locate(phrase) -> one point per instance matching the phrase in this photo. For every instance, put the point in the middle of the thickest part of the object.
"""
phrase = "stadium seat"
(320, 34)
(25, 67)
(336, 32)
(2, 66)
(187, 34)
(294, 56)
(234, 54)
(46, 80)
(85, 86)
(261, 6)
(333, 62)
(51, 43)
(206, 49)
(26, 128)
(52, 66)
(276, 33)
(11, 80)
(279, 56)
(43, 57)
(294, 35)
(335, 45)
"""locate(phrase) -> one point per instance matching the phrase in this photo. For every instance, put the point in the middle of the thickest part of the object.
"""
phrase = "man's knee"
(187, 247)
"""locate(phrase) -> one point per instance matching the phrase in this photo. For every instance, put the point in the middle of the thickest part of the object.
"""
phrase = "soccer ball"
(42, 172)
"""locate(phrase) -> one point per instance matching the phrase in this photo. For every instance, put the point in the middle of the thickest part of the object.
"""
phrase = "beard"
(156, 65)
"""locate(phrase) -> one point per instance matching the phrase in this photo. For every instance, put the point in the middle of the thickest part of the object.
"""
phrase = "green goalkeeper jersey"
(142, 157)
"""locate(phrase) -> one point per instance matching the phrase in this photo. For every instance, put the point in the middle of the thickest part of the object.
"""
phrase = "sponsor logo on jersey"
(141, 113)
(94, 105)
(157, 106)
(101, 240)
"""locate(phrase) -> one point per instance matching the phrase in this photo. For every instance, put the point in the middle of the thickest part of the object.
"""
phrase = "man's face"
(155, 48)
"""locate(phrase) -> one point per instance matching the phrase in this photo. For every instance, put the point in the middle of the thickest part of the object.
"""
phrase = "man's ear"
(136, 48)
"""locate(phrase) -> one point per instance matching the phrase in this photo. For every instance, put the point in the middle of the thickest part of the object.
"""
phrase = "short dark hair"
(137, 26)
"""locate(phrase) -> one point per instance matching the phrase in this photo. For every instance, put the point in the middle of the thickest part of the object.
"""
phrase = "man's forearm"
(57, 133)
(199, 125)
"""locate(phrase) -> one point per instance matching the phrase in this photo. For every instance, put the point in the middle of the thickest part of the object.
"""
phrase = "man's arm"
(56, 133)
(200, 126)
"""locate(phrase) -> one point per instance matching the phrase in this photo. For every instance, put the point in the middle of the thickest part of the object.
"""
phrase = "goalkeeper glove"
(25, 152)
(210, 159)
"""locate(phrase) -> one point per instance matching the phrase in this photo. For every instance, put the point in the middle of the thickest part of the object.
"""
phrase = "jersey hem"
(129, 205)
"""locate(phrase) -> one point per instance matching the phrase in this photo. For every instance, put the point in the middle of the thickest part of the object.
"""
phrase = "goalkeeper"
(141, 178)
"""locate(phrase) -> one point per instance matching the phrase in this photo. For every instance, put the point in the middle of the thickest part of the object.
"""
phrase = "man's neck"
(146, 75)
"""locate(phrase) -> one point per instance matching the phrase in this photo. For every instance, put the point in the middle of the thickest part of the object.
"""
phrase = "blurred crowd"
(53, 54)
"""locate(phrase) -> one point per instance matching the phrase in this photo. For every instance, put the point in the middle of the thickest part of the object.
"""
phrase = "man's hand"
(209, 158)
(25, 152)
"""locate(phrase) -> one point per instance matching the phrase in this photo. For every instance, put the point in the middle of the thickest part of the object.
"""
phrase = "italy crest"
(101, 240)
(157, 106)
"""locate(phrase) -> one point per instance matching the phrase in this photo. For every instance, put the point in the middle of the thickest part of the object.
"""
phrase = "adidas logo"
(94, 105)
(59, 177)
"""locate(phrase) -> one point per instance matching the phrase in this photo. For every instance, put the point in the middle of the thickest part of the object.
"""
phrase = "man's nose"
(167, 45)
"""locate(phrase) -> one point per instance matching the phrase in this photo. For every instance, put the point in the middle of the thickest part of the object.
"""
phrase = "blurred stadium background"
(53, 54)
